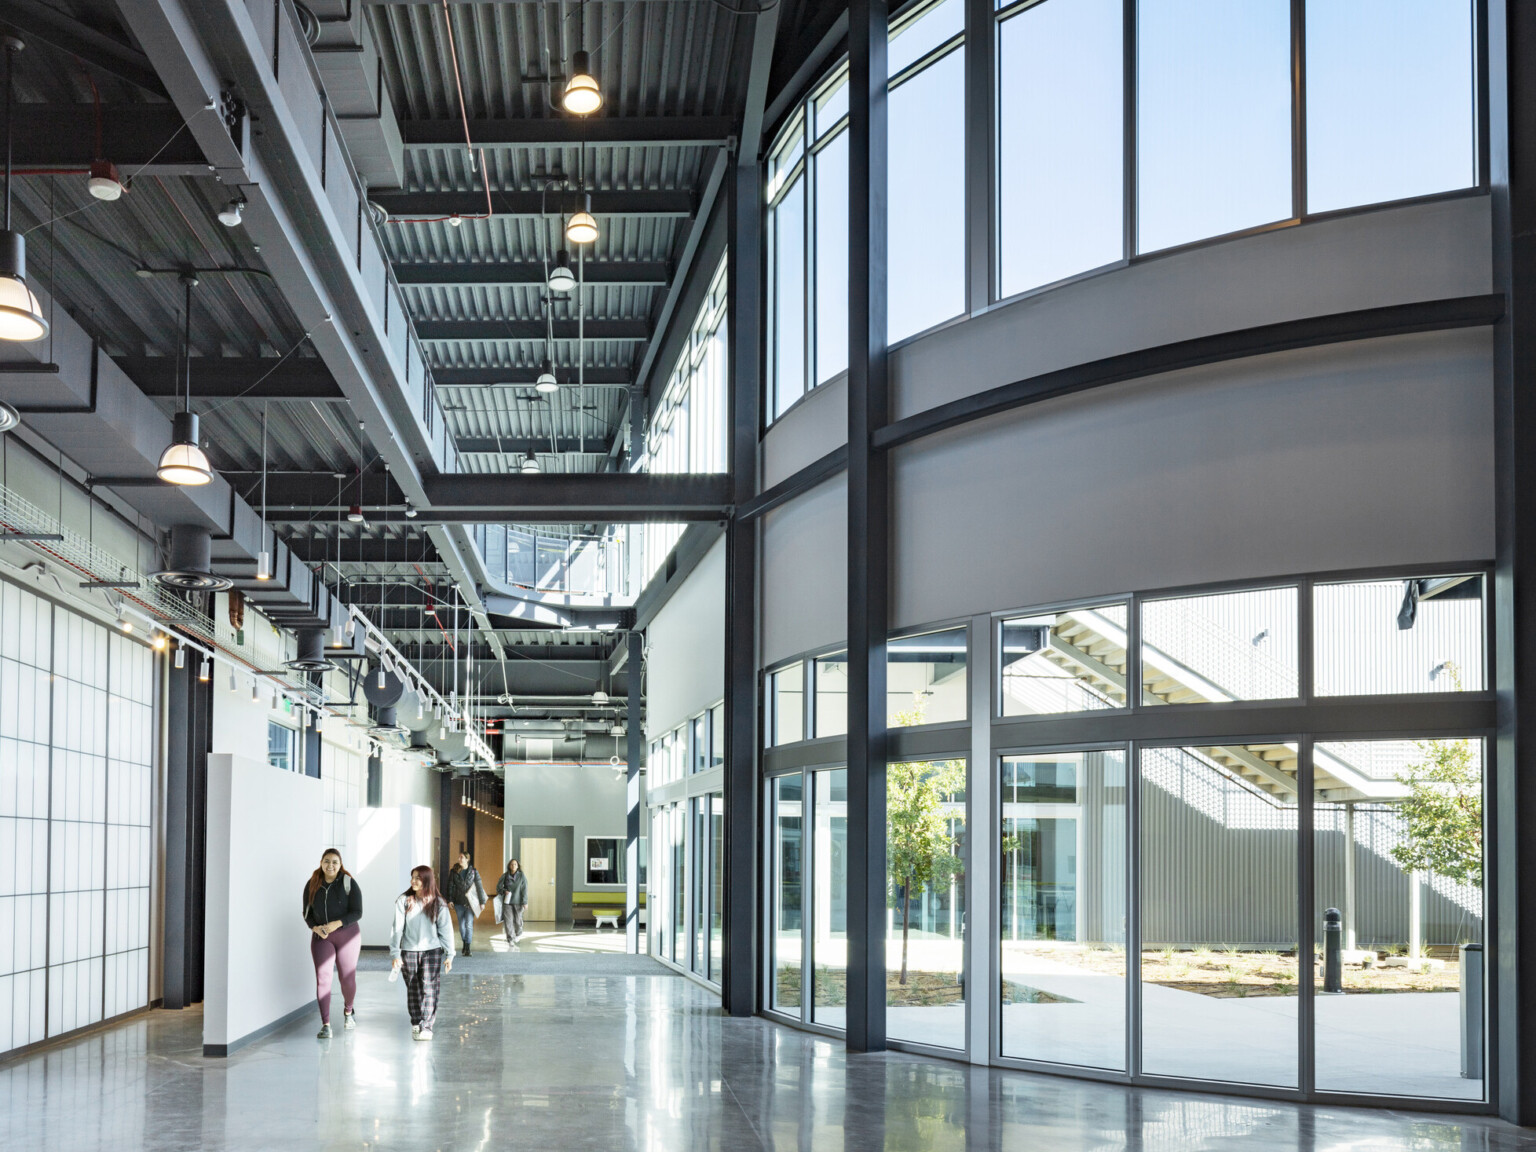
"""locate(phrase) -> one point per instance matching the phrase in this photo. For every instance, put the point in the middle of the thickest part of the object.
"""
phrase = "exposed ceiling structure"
(468, 230)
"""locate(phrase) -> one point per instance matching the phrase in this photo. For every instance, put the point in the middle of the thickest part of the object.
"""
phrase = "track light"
(582, 94)
(383, 680)
(157, 642)
(561, 277)
(264, 565)
(582, 227)
(232, 213)
(180, 658)
(530, 465)
(233, 687)
(546, 383)
(336, 640)
(255, 691)
(104, 182)
(205, 671)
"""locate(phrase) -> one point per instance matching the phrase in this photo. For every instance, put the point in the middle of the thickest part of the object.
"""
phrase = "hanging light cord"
(10, 97)
(186, 341)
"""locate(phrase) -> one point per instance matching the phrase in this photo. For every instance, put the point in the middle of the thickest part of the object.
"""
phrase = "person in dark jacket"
(467, 895)
(333, 905)
(513, 890)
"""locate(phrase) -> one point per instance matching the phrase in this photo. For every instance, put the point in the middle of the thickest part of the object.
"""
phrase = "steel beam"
(229, 378)
(740, 978)
(489, 273)
(532, 445)
(1511, 1013)
(62, 136)
(437, 205)
(569, 132)
(633, 811)
(582, 497)
(868, 523)
(620, 330)
(97, 50)
(525, 376)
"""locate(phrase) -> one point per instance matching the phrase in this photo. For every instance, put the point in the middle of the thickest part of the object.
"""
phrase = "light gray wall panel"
(685, 667)
(805, 572)
(1372, 453)
(588, 798)
(807, 432)
(1369, 260)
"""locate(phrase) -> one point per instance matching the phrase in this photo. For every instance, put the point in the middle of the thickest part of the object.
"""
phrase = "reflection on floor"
(580, 1063)
(543, 948)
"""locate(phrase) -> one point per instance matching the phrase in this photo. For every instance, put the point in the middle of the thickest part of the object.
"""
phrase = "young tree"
(1443, 812)
(919, 849)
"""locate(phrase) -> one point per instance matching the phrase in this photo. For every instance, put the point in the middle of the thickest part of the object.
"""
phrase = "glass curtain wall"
(687, 430)
(926, 854)
(684, 889)
(77, 753)
(1147, 917)
(1390, 114)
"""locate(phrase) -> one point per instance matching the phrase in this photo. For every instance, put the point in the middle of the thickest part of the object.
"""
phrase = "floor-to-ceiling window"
(77, 749)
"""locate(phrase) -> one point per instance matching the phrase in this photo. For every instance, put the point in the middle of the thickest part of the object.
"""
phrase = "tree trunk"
(906, 919)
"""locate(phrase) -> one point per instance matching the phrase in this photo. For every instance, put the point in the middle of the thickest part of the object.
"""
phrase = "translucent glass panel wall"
(1219, 962)
(1061, 909)
(76, 778)
(1404, 872)
(344, 780)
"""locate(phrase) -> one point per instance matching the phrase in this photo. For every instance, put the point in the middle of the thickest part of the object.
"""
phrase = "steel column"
(744, 280)
(632, 795)
(189, 716)
(1512, 869)
(868, 523)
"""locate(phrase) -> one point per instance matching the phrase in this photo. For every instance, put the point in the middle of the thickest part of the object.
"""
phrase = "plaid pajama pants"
(423, 973)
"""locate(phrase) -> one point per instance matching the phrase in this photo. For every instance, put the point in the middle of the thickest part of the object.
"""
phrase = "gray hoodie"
(415, 931)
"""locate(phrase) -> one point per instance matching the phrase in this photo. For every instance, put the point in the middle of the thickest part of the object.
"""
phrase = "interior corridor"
(576, 1062)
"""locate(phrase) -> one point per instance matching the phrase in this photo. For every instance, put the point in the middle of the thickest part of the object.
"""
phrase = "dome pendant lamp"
(561, 278)
(582, 227)
(21, 316)
(582, 94)
(184, 462)
(546, 382)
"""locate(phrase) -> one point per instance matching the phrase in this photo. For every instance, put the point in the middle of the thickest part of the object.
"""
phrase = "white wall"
(685, 661)
(1373, 453)
(264, 840)
(382, 846)
(1373, 259)
(239, 723)
(590, 799)
(804, 589)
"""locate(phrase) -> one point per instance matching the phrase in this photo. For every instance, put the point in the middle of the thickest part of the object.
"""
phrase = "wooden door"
(538, 862)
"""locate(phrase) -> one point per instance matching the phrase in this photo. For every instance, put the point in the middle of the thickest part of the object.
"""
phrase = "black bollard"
(1333, 946)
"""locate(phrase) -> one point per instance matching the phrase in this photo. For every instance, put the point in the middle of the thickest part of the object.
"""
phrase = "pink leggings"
(341, 947)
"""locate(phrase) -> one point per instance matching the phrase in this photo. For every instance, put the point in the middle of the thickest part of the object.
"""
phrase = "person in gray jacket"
(421, 944)
(513, 890)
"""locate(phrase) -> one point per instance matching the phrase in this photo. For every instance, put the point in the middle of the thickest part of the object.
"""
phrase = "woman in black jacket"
(513, 890)
(333, 905)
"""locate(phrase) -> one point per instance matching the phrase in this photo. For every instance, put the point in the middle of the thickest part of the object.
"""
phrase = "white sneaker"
(349, 1020)
(415, 1029)
(424, 1034)
(324, 1033)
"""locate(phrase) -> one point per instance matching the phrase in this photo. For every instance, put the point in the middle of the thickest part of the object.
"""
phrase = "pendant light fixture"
(264, 561)
(561, 277)
(184, 462)
(530, 465)
(546, 382)
(582, 227)
(21, 316)
(582, 94)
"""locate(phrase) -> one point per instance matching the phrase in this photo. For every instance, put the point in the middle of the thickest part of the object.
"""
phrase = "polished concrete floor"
(621, 1063)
